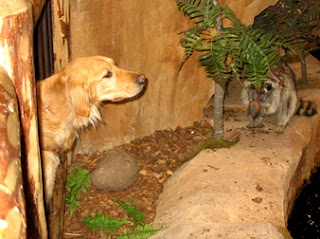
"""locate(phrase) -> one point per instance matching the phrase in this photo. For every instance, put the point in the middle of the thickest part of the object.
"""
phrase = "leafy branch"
(235, 52)
(296, 22)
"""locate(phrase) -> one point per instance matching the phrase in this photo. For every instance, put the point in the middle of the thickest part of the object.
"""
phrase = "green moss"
(209, 143)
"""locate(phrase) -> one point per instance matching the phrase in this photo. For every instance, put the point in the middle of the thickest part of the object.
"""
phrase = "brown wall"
(141, 35)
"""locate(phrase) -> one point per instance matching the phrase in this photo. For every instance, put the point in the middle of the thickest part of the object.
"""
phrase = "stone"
(116, 171)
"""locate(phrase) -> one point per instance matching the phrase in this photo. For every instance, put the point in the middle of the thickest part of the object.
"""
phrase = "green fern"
(138, 216)
(108, 224)
(140, 232)
(204, 15)
(105, 222)
(78, 180)
(295, 22)
(235, 52)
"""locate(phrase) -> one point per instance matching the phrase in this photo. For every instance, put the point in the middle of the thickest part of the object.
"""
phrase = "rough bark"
(55, 221)
(60, 10)
(12, 206)
(16, 31)
(37, 6)
(218, 98)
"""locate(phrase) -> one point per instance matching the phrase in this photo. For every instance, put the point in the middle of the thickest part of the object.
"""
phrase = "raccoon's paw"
(253, 124)
(280, 129)
(264, 110)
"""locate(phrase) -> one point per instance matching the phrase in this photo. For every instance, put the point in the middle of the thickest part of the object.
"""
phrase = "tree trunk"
(218, 112)
(303, 68)
(12, 206)
(218, 98)
(16, 47)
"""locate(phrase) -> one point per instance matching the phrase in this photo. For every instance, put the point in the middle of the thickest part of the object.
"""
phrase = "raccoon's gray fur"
(277, 96)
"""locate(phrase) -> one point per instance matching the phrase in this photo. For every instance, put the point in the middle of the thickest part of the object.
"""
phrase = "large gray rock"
(116, 171)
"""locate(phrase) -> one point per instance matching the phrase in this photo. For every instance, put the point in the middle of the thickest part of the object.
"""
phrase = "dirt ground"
(157, 155)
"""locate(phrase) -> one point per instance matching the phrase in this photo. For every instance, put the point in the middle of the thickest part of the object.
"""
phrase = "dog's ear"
(80, 99)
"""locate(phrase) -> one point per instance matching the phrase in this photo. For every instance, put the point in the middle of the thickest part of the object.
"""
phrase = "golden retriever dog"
(69, 101)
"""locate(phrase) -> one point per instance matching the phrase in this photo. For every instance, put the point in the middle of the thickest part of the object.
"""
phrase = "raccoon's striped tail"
(306, 108)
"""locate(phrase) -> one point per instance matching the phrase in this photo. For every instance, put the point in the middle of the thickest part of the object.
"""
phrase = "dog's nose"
(141, 79)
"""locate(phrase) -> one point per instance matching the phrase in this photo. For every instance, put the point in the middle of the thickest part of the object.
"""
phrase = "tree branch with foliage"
(296, 22)
(236, 52)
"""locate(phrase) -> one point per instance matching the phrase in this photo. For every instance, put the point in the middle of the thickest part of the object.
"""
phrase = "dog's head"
(93, 80)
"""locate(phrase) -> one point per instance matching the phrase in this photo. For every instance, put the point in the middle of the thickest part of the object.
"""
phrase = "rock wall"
(142, 35)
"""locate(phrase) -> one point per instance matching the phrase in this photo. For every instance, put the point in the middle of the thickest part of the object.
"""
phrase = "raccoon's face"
(260, 93)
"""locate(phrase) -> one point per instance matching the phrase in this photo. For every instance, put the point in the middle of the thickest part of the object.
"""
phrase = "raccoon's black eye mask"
(268, 86)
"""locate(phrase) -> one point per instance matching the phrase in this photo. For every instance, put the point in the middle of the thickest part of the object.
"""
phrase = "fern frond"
(138, 216)
(258, 53)
(236, 52)
(140, 232)
(296, 23)
(203, 13)
(78, 180)
(100, 221)
(190, 42)
(228, 13)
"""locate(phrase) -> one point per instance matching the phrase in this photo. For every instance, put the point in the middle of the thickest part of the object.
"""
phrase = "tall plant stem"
(218, 112)
(218, 97)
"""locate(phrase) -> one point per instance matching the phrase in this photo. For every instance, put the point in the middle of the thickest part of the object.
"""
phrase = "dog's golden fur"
(69, 101)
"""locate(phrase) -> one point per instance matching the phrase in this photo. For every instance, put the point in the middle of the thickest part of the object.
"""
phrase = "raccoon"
(278, 96)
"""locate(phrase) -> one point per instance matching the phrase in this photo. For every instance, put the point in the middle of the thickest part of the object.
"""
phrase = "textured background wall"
(141, 35)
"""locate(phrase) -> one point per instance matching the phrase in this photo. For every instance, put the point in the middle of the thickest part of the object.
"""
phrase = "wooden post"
(37, 6)
(16, 56)
(12, 206)
(60, 12)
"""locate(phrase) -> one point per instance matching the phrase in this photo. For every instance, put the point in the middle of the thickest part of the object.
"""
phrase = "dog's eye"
(108, 75)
